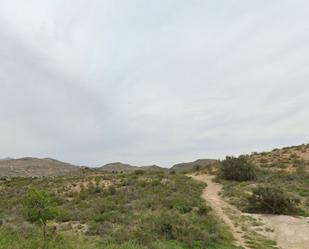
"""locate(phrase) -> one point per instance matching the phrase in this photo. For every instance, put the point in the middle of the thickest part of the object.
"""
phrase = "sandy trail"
(289, 232)
(211, 195)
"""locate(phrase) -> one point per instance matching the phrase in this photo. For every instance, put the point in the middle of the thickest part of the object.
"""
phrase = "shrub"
(263, 160)
(182, 206)
(237, 169)
(111, 190)
(197, 167)
(139, 172)
(268, 199)
(202, 210)
(141, 183)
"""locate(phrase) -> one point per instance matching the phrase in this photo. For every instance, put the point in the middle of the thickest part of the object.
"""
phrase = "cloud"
(160, 82)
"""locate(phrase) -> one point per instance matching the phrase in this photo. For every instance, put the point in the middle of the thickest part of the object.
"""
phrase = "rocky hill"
(190, 165)
(35, 167)
(287, 159)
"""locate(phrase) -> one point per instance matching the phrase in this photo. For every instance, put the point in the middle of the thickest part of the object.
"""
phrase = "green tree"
(38, 207)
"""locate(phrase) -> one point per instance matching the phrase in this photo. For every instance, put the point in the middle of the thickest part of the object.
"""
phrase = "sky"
(152, 82)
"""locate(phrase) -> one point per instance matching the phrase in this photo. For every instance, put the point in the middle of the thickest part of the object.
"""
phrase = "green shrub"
(182, 206)
(203, 210)
(197, 167)
(237, 169)
(268, 199)
(263, 160)
(111, 190)
(155, 183)
(139, 172)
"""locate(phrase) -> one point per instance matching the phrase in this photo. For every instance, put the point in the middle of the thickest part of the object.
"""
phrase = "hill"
(284, 159)
(123, 167)
(35, 167)
(190, 165)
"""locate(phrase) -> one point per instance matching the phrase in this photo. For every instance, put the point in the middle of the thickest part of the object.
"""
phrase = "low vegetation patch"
(268, 199)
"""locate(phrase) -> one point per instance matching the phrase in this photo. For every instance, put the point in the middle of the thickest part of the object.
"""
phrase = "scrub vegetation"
(137, 209)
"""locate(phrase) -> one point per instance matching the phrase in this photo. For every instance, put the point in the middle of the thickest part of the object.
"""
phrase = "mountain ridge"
(118, 167)
(35, 167)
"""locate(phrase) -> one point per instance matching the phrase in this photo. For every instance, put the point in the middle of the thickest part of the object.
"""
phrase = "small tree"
(237, 169)
(38, 208)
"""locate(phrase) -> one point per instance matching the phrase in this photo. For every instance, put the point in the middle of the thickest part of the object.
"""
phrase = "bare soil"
(289, 232)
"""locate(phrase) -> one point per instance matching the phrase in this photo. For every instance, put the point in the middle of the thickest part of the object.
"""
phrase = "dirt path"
(289, 232)
(211, 195)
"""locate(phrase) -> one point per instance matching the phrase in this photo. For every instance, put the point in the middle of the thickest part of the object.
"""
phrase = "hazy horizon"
(157, 82)
(151, 163)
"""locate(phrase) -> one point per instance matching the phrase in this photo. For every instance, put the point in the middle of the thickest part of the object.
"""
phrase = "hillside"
(190, 165)
(286, 159)
(35, 167)
(286, 168)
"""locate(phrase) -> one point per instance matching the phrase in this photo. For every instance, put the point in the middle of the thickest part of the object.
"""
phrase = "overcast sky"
(152, 82)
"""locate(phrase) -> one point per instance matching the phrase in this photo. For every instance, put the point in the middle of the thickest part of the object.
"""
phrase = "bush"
(111, 190)
(139, 172)
(182, 206)
(202, 210)
(268, 199)
(237, 169)
(197, 167)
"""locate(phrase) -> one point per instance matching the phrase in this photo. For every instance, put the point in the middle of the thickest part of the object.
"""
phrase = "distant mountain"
(152, 168)
(35, 167)
(123, 167)
(6, 158)
(117, 166)
(191, 165)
